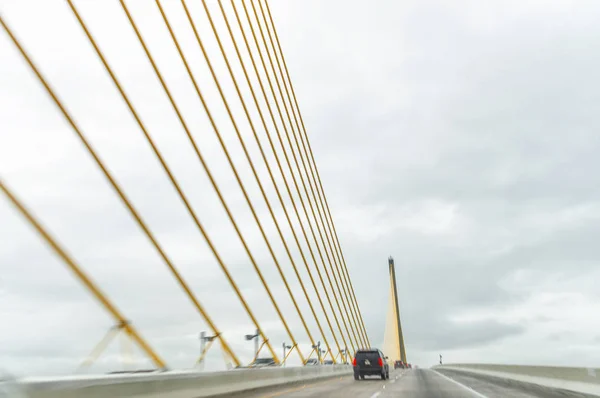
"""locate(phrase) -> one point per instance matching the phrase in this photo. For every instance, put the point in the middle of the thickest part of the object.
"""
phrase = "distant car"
(409, 366)
(397, 364)
(311, 362)
(328, 362)
(370, 362)
(263, 362)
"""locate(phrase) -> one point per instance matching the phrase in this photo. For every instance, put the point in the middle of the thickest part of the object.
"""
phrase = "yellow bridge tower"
(393, 342)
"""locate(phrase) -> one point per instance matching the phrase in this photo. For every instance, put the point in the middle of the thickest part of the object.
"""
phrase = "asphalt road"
(416, 383)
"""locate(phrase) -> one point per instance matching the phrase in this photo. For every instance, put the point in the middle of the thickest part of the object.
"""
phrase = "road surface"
(415, 383)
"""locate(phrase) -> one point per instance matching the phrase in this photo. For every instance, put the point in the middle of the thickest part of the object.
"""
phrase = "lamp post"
(203, 340)
(255, 338)
(343, 354)
(285, 347)
(317, 347)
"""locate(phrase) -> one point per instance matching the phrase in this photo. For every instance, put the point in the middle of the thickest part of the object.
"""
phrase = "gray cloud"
(447, 336)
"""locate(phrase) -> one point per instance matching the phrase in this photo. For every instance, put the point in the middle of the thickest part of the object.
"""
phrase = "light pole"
(343, 354)
(317, 347)
(440, 359)
(202, 341)
(285, 347)
(255, 338)
(203, 348)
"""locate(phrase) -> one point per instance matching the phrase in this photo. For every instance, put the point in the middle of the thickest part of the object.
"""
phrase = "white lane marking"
(376, 394)
(478, 394)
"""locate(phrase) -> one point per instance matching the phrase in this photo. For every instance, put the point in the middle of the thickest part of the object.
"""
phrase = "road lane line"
(302, 387)
(376, 394)
(478, 394)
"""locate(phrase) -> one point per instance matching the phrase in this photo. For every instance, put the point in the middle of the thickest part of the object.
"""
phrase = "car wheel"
(388, 375)
(383, 376)
(362, 377)
(355, 377)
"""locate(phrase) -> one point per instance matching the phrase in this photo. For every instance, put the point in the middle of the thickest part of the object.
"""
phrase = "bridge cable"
(188, 206)
(337, 261)
(289, 164)
(348, 307)
(240, 139)
(123, 197)
(246, 111)
(309, 149)
(279, 164)
(121, 193)
(353, 334)
(80, 274)
(226, 207)
(318, 179)
(242, 64)
(77, 270)
(297, 188)
(355, 301)
(342, 293)
(285, 154)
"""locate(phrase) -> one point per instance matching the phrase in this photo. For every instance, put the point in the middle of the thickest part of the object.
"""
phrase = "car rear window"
(264, 360)
(370, 355)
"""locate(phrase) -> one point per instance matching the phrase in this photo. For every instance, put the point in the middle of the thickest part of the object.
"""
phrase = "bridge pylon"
(393, 341)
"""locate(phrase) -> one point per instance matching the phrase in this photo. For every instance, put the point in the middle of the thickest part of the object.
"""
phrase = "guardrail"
(174, 384)
(582, 380)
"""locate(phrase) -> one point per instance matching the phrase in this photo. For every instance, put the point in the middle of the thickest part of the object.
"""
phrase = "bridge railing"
(177, 384)
(583, 380)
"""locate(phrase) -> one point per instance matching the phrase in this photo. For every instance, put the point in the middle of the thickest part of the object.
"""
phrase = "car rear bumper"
(368, 371)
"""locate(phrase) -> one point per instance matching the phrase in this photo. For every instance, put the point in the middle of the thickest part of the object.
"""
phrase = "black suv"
(370, 362)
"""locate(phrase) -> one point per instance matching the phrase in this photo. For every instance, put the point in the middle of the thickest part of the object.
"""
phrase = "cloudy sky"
(458, 137)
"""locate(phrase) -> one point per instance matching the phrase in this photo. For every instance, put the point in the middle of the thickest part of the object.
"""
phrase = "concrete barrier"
(176, 384)
(582, 380)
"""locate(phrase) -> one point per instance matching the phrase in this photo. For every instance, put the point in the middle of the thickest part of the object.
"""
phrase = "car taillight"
(354, 362)
(380, 362)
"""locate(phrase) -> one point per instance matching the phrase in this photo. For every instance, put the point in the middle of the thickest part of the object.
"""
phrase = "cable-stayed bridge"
(238, 90)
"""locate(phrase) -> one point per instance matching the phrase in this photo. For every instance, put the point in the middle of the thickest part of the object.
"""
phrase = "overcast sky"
(459, 137)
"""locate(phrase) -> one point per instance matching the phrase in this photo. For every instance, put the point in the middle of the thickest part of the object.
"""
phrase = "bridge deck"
(417, 383)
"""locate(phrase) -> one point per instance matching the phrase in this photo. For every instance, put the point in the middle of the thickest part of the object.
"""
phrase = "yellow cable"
(335, 258)
(241, 61)
(264, 159)
(288, 189)
(67, 259)
(207, 169)
(134, 212)
(290, 167)
(345, 321)
(246, 154)
(332, 226)
(295, 182)
(47, 237)
(188, 133)
(342, 290)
